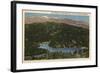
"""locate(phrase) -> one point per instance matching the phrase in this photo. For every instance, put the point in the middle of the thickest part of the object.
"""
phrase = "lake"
(45, 45)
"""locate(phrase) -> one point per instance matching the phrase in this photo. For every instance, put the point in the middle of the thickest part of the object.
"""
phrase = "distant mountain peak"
(42, 19)
(45, 17)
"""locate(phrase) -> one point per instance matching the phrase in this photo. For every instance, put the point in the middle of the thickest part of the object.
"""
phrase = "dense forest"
(60, 35)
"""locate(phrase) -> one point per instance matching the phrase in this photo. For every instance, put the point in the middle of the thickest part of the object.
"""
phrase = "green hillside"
(59, 35)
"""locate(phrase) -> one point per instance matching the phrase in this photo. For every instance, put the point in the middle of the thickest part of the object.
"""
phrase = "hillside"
(59, 35)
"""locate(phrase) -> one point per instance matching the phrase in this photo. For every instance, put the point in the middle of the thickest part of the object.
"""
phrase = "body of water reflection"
(45, 45)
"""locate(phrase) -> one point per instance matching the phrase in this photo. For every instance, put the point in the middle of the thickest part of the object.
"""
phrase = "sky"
(60, 16)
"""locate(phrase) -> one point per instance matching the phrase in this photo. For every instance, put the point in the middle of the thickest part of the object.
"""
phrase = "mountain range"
(43, 19)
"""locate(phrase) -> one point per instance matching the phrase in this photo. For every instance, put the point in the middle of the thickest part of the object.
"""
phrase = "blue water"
(45, 45)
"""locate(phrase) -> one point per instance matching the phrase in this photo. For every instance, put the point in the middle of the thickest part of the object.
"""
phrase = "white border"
(60, 63)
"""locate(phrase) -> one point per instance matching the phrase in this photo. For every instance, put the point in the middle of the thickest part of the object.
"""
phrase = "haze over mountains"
(43, 19)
